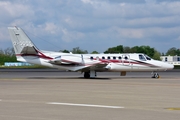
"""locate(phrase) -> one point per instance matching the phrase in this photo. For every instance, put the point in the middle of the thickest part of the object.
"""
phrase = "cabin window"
(114, 58)
(119, 57)
(141, 57)
(103, 57)
(125, 57)
(108, 58)
(91, 58)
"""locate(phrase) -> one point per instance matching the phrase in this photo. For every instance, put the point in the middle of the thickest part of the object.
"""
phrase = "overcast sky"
(93, 24)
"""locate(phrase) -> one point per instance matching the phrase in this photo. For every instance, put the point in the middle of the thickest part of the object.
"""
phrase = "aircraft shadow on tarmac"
(98, 78)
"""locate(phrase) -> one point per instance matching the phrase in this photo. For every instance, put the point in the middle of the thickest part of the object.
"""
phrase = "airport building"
(175, 60)
(17, 64)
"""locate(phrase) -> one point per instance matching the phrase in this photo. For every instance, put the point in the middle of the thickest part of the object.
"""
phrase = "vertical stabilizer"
(21, 42)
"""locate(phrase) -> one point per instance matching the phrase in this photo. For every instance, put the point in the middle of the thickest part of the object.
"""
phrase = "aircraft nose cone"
(169, 66)
(165, 66)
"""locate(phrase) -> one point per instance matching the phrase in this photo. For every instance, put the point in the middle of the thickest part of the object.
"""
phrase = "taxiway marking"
(84, 105)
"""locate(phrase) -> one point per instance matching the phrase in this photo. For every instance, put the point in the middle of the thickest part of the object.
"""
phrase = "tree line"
(151, 52)
(8, 55)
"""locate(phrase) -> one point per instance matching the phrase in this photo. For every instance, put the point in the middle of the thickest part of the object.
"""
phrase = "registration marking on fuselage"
(84, 105)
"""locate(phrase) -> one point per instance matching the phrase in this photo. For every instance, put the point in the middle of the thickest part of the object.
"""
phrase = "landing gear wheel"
(86, 75)
(156, 75)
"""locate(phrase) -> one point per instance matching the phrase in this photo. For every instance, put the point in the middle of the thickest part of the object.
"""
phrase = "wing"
(75, 63)
(96, 66)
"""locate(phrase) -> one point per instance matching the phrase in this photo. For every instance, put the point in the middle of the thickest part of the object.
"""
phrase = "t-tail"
(21, 42)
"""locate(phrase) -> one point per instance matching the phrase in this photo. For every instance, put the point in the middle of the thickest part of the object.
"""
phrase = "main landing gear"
(86, 74)
(155, 75)
(90, 74)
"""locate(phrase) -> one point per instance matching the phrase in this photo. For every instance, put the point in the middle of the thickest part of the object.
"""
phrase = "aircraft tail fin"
(21, 42)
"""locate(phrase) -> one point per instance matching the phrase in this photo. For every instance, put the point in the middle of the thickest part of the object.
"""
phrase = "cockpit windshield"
(144, 57)
(141, 57)
(147, 57)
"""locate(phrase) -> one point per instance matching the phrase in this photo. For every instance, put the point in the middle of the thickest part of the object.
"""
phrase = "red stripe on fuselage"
(36, 55)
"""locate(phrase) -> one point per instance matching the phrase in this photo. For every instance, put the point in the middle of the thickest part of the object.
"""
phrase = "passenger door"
(126, 60)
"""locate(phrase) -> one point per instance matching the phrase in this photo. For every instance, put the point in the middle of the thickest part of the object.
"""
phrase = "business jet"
(89, 64)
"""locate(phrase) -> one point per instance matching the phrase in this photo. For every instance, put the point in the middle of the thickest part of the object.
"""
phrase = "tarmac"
(48, 94)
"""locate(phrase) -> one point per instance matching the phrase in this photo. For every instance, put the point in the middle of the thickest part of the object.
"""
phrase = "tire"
(156, 75)
(86, 75)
